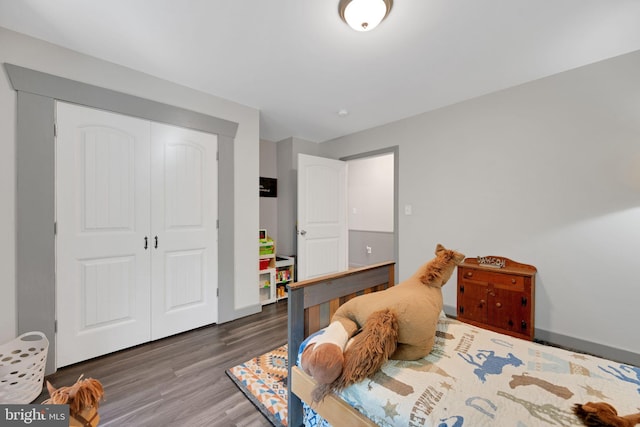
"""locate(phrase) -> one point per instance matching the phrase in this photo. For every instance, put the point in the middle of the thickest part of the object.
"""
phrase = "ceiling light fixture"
(364, 15)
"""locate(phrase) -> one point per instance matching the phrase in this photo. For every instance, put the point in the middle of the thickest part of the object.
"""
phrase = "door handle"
(146, 242)
(303, 232)
(156, 244)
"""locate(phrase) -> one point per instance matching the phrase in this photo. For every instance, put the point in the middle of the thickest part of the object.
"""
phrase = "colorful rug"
(263, 380)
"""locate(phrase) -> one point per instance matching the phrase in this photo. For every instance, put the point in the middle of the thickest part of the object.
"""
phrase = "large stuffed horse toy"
(397, 323)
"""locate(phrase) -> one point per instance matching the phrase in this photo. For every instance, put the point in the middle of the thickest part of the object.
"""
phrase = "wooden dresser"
(497, 293)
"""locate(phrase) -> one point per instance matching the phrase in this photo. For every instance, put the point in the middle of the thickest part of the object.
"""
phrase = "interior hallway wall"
(370, 195)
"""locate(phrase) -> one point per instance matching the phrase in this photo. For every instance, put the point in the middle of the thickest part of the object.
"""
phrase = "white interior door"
(184, 231)
(102, 215)
(322, 216)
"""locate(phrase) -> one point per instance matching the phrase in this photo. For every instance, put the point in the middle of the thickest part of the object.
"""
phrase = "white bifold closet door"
(184, 212)
(136, 234)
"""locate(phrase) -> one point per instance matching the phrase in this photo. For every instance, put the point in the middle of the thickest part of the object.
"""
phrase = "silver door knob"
(303, 232)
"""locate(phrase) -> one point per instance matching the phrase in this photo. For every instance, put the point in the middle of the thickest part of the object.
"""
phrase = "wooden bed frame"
(311, 305)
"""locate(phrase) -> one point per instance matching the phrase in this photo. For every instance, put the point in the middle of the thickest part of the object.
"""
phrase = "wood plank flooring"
(180, 381)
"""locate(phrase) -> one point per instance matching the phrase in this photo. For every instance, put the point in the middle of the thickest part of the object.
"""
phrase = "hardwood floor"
(180, 380)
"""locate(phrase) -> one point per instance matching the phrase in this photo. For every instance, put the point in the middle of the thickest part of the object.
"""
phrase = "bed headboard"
(312, 304)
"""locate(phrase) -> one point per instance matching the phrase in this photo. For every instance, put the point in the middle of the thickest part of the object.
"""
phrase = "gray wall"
(546, 173)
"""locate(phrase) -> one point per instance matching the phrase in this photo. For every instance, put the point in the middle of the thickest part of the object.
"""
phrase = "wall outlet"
(368, 249)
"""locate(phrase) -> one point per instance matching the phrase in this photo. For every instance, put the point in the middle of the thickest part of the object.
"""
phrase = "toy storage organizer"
(275, 272)
(284, 275)
(267, 273)
(22, 365)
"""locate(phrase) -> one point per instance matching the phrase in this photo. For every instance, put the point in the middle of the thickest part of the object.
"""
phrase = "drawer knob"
(469, 273)
(482, 302)
(513, 281)
(498, 304)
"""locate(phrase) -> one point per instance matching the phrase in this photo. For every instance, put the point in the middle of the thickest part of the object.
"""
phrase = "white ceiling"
(298, 63)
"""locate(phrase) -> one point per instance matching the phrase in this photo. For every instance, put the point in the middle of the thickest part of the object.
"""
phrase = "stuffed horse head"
(83, 399)
(438, 271)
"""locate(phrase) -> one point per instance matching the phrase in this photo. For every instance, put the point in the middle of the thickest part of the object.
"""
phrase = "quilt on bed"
(475, 377)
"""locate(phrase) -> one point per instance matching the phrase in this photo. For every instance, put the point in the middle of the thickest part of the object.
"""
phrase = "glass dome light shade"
(364, 15)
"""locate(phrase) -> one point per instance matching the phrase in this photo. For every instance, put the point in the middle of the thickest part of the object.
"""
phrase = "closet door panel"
(184, 268)
(185, 186)
(108, 166)
(107, 291)
(184, 214)
(102, 215)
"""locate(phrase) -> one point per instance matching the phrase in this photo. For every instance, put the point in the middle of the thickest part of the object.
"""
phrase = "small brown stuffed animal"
(397, 323)
(601, 414)
(83, 399)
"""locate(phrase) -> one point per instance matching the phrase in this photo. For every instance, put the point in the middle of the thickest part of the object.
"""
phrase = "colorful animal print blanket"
(475, 377)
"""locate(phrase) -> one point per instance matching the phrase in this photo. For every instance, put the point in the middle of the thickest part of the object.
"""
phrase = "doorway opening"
(372, 207)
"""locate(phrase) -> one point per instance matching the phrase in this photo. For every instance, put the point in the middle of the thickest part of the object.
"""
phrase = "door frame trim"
(35, 195)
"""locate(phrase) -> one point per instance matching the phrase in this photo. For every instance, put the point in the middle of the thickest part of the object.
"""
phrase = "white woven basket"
(22, 364)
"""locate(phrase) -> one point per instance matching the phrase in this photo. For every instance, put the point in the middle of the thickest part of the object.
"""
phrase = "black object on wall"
(268, 187)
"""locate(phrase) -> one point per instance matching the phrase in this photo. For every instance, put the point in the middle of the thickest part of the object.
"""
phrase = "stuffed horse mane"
(436, 268)
(83, 399)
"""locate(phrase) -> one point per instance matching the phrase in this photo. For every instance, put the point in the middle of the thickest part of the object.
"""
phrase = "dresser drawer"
(511, 282)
